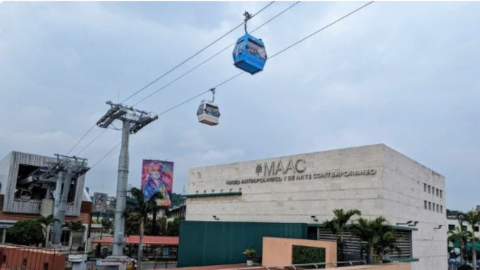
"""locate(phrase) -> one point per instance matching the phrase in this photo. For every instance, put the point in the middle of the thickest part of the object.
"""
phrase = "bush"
(465, 267)
(302, 254)
(26, 232)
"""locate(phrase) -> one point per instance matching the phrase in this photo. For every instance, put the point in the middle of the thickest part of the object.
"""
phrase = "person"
(99, 204)
(156, 183)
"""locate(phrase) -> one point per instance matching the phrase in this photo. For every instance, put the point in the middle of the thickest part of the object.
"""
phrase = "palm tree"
(379, 235)
(74, 227)
(460, 235)
(47, 222)
(338, 223)
(138, 205)
(473, 218)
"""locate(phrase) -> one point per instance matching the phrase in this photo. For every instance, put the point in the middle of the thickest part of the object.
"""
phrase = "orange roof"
(147, 240)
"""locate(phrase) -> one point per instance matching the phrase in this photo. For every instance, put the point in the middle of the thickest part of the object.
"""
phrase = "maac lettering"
(274, 169)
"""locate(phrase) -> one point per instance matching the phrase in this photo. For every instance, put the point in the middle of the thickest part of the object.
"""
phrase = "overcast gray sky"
(401, 73)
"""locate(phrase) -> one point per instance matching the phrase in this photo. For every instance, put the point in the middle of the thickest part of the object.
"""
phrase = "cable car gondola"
(249, 53)
(208, 112)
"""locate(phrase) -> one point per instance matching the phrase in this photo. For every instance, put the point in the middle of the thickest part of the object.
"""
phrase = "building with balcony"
(23, 199)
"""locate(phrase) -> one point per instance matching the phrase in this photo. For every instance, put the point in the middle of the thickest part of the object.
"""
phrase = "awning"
(147, 240)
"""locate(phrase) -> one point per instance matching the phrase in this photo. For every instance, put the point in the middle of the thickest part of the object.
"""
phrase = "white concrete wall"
(404, 181)
(5, 165)
(290, 201)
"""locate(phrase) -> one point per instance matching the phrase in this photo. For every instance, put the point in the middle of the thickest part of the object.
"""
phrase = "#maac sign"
(296, 167)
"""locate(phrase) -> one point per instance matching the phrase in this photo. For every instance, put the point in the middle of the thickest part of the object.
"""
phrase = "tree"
(141, 208)
(26, 232)
(173, 227)
(379, 235)
(337, 225)
(473, 218)
(74, 227)
(460, 235)
(47, 222)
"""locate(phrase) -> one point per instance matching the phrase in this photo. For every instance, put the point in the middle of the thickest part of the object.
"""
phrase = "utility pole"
(132, 121)
(71, 168)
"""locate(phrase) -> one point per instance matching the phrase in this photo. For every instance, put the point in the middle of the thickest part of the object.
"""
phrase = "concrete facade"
(374, 179)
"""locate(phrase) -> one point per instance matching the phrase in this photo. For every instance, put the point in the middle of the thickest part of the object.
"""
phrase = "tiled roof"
(147, 240)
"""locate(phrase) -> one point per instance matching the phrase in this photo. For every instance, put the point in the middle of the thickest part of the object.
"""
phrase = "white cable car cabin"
(208, 113)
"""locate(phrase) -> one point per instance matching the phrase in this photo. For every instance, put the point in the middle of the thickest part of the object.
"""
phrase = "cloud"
(400, 73)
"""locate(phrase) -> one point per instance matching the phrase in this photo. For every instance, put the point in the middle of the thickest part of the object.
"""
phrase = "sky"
(405, 74)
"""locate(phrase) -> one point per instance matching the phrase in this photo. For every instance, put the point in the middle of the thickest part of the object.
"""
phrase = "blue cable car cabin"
(249, 54)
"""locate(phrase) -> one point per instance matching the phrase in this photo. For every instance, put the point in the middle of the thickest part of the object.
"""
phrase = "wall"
(5, 165)
(394, 191)
(218, 242)
(404, 200)
(290, 201)
(31, 207)
(279, 251)
(36, 258)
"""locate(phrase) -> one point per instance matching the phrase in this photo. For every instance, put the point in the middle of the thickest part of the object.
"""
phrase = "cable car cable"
(228, 80)
(197, 53)
(265, 7)
(81, 139)
(207, 60)
(276, 54)
(194, 68)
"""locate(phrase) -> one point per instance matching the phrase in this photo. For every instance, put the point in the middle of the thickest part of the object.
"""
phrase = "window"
(425, 187)
(451, 227)
(257, 50)
(441, 208)
(429, 189)
(475, 228)
(437, 192)
(212, 110)
(441, 193)
(438, 208)
(238, 48)
(426, 206)
(429, 206)
(433, 206)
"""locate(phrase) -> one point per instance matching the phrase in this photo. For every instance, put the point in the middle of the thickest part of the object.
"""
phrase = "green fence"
(212, 243)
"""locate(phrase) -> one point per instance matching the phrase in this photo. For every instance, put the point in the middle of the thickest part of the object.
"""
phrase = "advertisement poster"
(157, 176)
(99, 202)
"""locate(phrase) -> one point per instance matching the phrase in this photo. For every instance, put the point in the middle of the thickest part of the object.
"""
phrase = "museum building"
(232, 206)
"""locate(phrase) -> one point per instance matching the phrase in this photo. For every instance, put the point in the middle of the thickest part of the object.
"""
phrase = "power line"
(276, 54)
(197, 53)
(194, 68)
(91, 142)
(81, 139)
(215, 55)
(235, 76)
(105, 155)
(143, 88)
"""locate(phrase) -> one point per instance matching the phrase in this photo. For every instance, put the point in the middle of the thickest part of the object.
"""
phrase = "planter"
(249, 262)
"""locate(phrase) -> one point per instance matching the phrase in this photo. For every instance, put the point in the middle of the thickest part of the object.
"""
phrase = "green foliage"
(465, 267)
(303, 255)
(250, 253)
(173, 227)
(26, 232)
(177, 199)
(75, 226)
(379, 235)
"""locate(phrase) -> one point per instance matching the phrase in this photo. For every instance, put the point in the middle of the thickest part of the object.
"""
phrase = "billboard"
(99, 202)
(157, 176)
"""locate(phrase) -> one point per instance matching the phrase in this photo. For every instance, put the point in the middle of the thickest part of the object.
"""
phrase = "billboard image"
(99, 202)
(157, 176)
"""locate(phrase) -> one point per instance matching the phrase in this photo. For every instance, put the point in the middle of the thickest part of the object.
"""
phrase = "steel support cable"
(188, 59)
(276, 54)
(194, 68)
(197, 53)
(235, 76)
(215, 55)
